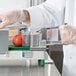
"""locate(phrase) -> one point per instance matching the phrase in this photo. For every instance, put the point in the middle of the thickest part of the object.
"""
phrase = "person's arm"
(43, 15)
(47, 14)
(11, 17)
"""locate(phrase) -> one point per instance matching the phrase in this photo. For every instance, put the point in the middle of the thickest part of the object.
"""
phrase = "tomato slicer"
(24, 55)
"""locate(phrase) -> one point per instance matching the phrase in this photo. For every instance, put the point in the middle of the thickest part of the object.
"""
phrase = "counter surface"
(48, 70)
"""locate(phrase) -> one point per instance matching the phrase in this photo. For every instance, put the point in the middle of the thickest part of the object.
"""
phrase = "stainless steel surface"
(24, 71)
(47, 70)
(54, 43)
(15, 58)
(3, 41)
(38, 48)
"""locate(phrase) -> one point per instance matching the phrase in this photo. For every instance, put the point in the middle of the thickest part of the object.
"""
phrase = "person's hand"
(13, 17)
(68, 34)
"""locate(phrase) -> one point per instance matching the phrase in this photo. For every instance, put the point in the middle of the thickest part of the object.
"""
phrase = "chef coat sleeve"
(49, 13)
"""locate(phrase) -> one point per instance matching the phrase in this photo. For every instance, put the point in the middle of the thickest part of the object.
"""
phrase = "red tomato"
(18, 40)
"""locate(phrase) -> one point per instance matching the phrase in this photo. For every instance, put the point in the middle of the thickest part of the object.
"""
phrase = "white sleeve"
(49, 13)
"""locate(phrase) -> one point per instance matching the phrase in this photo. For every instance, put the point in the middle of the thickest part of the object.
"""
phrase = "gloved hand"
(68, 34)
(13, 17)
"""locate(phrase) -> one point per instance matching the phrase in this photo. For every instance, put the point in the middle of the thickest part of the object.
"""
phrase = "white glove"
(11, 17)
(68, 34)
